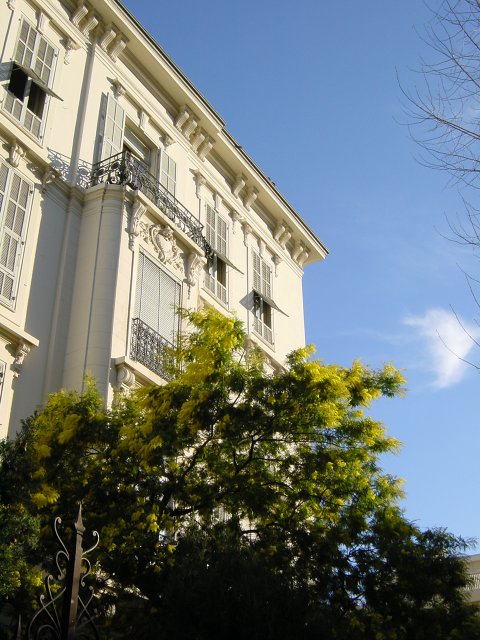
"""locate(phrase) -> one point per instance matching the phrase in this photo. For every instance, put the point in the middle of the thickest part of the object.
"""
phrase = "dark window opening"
(36, 100)
(18, 82)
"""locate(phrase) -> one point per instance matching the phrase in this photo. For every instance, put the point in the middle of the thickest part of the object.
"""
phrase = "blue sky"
(309, 89)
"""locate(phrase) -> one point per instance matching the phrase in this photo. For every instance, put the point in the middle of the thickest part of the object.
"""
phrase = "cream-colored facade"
(122, 197)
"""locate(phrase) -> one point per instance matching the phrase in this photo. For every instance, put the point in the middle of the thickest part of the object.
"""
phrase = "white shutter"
(14, 200)
(157, 298)
(34, 52)
(210, 227)
(221, 244)
(266, 279)
(168, 172)
(257, 273)
(114, 123)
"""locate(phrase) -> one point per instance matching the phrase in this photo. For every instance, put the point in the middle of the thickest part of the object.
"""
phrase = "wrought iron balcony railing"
(151, 349)
(124, 168)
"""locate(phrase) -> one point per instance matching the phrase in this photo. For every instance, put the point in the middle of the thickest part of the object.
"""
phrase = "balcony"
(151, 349)
(125, 169)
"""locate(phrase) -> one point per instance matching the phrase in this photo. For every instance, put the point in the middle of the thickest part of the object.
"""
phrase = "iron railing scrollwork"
(151, 349)
(125, 169)
(64, 611)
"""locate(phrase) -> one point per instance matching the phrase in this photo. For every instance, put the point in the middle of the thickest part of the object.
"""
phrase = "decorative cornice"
(190, 126)
(90, 24)
(117, 47)
(78, 15)
(205, 148)
(183, 115)
(250, 197)
(108, 36)
(198, 137)
(240, 182)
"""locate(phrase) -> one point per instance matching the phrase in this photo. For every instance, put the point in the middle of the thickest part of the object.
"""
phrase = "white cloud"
(446, 342)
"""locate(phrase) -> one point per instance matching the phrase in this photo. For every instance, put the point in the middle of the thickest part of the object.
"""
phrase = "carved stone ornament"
(200, 180)
(183, 115)
(15, 154)
(195, 265)
(240, 182)
(11, 5)
(247, 230)
(70, 45)
(166, 140)
(90, 24)
(205, 148)
(276, 261)
(118, 88)
(49, 176)
(79, 14)
(138, 209)
(250, 197)
(125, 377)
(163, 241)
(117, 47)
(236, 217)
(21, 353)
(108, 36)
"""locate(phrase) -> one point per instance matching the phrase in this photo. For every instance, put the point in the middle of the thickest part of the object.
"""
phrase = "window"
(113, 126)
(156, 322)
(31, 79)
(15, 195)
(262, 298)
(216, 268)
(137, 148)
(168, 172)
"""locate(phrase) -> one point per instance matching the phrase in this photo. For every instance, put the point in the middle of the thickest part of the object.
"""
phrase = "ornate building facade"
(122, 198)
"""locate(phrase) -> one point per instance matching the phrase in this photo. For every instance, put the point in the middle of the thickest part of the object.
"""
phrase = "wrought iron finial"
(64, 611)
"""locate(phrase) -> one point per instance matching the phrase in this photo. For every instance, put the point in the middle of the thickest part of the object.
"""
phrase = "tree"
(234, 501)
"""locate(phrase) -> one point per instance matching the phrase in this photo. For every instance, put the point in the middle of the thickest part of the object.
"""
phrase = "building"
(473, 570)
(123, 197)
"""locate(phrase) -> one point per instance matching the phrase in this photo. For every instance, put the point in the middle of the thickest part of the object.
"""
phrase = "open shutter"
(114, 123)
(221, 244)
(210, 227)
(168, 172)
(14, 199)
(33, 52)
(257, 272)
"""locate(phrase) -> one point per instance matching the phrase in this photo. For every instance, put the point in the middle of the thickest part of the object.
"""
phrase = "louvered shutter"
(257, 272)
(221, 244)
(14, 199)
(168, 172)
(157, 299)
(266, 279)
(34, 52)
(114, 122)
(210, 227)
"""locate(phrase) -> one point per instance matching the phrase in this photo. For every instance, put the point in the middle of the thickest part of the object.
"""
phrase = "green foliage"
(229, 499)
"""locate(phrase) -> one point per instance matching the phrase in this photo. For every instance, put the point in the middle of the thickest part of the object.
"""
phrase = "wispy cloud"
(447, 339)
